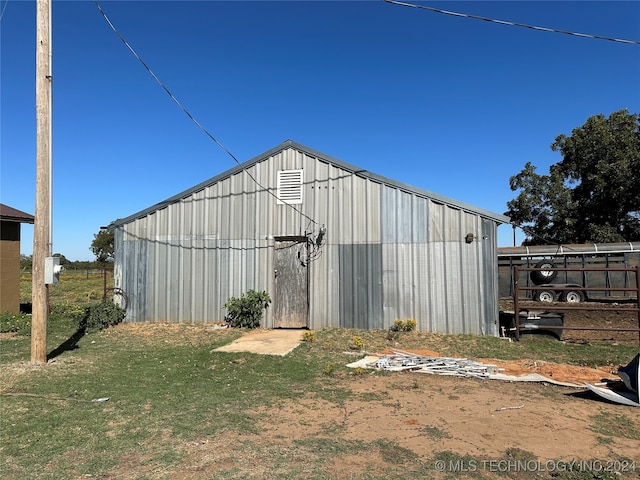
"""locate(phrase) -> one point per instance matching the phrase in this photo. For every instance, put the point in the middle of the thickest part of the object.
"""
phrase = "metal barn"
(333, 245)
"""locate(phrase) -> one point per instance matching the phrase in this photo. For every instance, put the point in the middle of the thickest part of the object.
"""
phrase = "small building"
(10, 220)
(333, 244)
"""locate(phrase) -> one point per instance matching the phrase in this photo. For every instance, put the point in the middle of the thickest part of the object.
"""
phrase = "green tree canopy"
(592, 195)
(26, 262)
(102, 246)
(63, 260)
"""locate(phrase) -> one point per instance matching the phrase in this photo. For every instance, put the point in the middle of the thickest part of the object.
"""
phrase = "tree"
(592, 195)
(63, 260)
(102, 246)
(26, 262)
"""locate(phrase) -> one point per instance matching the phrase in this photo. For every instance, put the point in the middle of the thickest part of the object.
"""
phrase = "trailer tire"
(546, 275)
(547, 296)
(573, 296)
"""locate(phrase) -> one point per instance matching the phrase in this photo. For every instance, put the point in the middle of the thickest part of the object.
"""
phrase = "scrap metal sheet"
(450, 366)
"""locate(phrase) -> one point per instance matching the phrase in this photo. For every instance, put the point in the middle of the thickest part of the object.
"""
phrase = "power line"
(191, 117)
(513, 24)
(530, 232)
(4, 7)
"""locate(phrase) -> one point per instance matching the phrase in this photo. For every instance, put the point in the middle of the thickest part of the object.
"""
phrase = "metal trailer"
(559, 271)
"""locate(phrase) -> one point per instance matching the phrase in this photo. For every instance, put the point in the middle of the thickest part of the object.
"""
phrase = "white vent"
(289, 186)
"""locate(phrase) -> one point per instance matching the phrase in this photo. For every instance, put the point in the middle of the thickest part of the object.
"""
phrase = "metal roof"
(10, 214)
(322, 157)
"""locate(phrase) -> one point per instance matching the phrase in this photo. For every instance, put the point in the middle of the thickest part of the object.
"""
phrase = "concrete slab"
(265, 342)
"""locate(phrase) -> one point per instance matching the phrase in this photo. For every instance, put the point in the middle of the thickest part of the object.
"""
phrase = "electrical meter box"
(52, 269)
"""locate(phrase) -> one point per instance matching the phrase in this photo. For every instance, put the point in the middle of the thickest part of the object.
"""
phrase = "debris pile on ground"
(399, 360)
(624, 391)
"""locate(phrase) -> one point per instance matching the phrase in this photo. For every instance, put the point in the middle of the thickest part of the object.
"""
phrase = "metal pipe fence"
(578, 306)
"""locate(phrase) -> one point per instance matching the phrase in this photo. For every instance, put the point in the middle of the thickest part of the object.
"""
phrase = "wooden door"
(291, 302)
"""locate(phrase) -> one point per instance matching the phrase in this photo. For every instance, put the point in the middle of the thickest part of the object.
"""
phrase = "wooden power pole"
(42, 224)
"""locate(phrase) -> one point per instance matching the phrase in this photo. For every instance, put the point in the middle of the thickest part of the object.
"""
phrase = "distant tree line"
(26, 263)
(101, 246)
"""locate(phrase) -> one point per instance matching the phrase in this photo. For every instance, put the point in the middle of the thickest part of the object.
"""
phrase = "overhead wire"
(513, 24)
(190, 116)
(4, 7)
(529, 231)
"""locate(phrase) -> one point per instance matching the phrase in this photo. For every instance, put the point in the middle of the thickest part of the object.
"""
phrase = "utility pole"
(42, 224)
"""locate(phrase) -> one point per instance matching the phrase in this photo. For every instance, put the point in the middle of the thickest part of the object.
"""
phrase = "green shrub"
(410, 325)
(246, 311)
(19, 323)
(309, 336)
(67, 309)
(398, 325)
(330, 368)
(357, 343)
(359, 371)
(100, 316)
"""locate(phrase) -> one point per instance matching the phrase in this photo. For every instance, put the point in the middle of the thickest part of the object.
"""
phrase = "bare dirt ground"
(477, 421)
(425, 414)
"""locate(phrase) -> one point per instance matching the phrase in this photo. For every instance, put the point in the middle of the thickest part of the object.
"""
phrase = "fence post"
(638, 298)
(104, 283)
(516, 306)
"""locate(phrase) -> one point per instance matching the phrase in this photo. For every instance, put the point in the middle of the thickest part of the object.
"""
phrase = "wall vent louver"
(289, 186)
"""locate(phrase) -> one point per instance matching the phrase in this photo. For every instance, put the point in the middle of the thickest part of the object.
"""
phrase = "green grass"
(170, 392)
(74, 287)
(616, 425)
(529, 347)
(167, 389)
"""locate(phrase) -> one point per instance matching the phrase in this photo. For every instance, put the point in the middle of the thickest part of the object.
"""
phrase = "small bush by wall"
(100, 316)
(246, 311)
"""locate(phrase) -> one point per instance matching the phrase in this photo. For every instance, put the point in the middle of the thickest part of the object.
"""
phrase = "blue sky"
(448, 104)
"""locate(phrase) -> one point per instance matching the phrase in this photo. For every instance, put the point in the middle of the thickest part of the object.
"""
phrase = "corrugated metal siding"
(388, 253)
(490, 278)
(439, 282)
(360, 283)
(405, 217)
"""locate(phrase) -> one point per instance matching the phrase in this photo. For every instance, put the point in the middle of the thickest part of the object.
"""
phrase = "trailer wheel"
(546, 296)
(545, 275)
(573, 296)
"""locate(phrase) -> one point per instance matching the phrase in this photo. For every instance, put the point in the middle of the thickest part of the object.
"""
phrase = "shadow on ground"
(69, 344)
